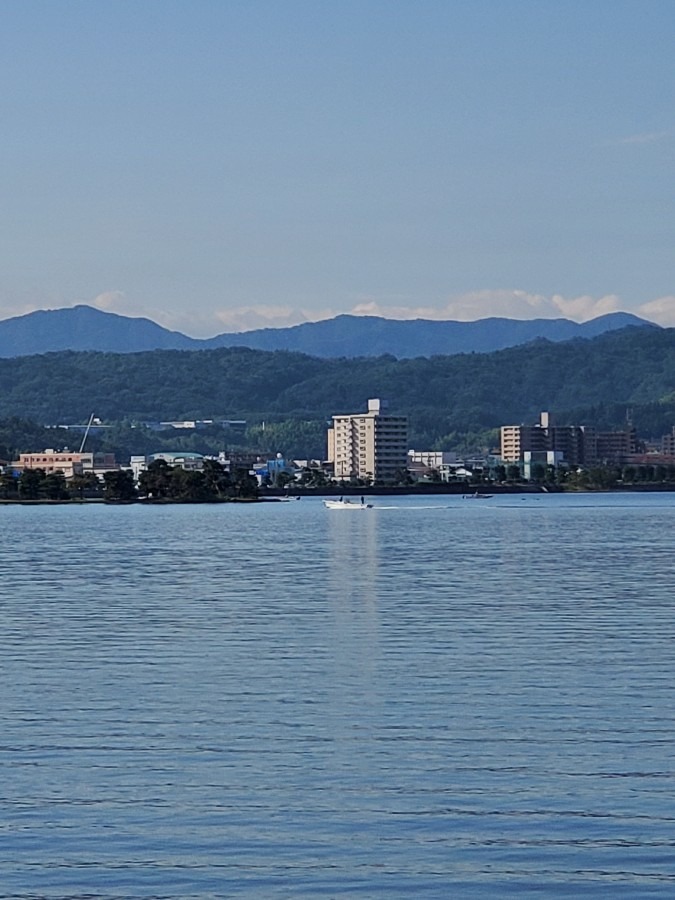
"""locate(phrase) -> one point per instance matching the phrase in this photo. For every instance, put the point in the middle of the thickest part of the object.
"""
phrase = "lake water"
(436, 698)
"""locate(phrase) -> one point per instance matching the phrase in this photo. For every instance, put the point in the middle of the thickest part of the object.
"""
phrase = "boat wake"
(406, 507)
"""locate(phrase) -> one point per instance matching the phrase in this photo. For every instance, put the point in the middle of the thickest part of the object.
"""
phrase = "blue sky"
(227, 165)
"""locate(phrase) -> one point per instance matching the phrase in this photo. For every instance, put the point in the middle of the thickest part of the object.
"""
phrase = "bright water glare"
(434, 698)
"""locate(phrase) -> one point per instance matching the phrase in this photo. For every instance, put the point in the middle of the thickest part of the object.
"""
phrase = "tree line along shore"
(163, 483)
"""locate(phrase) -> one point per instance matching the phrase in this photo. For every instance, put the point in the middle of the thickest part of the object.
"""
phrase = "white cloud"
(648, 137)
(109, 301)
(192, 323)
(512, 304)
(661, 311)
(246, 318)
(11, 310)
(583, 308)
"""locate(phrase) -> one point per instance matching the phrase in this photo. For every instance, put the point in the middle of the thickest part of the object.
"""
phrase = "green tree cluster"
(172, 483)
(119, 486)
(160, 482)
(36, 484)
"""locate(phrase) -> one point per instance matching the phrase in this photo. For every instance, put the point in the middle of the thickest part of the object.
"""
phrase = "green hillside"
(592, 380)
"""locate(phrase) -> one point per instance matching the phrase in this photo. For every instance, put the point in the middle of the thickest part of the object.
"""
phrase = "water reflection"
(353, 584)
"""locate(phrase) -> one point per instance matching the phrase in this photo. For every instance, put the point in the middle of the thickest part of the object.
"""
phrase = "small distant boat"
(346, 504)
(477, 496)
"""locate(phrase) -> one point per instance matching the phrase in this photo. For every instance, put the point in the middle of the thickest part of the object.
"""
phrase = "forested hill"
(598, 377)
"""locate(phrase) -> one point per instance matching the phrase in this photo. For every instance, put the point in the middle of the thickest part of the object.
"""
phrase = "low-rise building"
(67, 462)
(431, 465)
(432, 459)
(190, 461)
(544, 458)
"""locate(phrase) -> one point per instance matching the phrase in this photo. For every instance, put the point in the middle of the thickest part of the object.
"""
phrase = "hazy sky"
(224, 165)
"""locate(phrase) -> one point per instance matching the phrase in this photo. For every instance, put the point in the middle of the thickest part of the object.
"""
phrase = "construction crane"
(86, 432)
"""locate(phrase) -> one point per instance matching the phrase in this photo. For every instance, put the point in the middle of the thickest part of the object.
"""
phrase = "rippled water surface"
(434, 698)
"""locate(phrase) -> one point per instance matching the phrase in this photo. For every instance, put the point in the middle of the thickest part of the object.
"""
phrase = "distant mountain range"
(87, 328)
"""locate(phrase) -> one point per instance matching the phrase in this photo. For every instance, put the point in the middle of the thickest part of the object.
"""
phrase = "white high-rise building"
(369, 445)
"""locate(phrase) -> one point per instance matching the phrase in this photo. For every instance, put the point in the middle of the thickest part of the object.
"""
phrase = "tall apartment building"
(517, 440)
(369, 445)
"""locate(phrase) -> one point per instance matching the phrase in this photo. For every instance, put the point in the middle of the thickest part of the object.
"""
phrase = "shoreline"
(465, 490)
(272, 495)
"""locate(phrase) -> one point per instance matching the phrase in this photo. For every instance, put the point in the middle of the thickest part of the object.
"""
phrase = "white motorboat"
(346, 504)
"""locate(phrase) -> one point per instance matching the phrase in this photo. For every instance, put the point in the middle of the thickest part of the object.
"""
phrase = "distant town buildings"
(95, 426)
(369, 445)
(372, 446)
(238, 425)
(573, 445)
